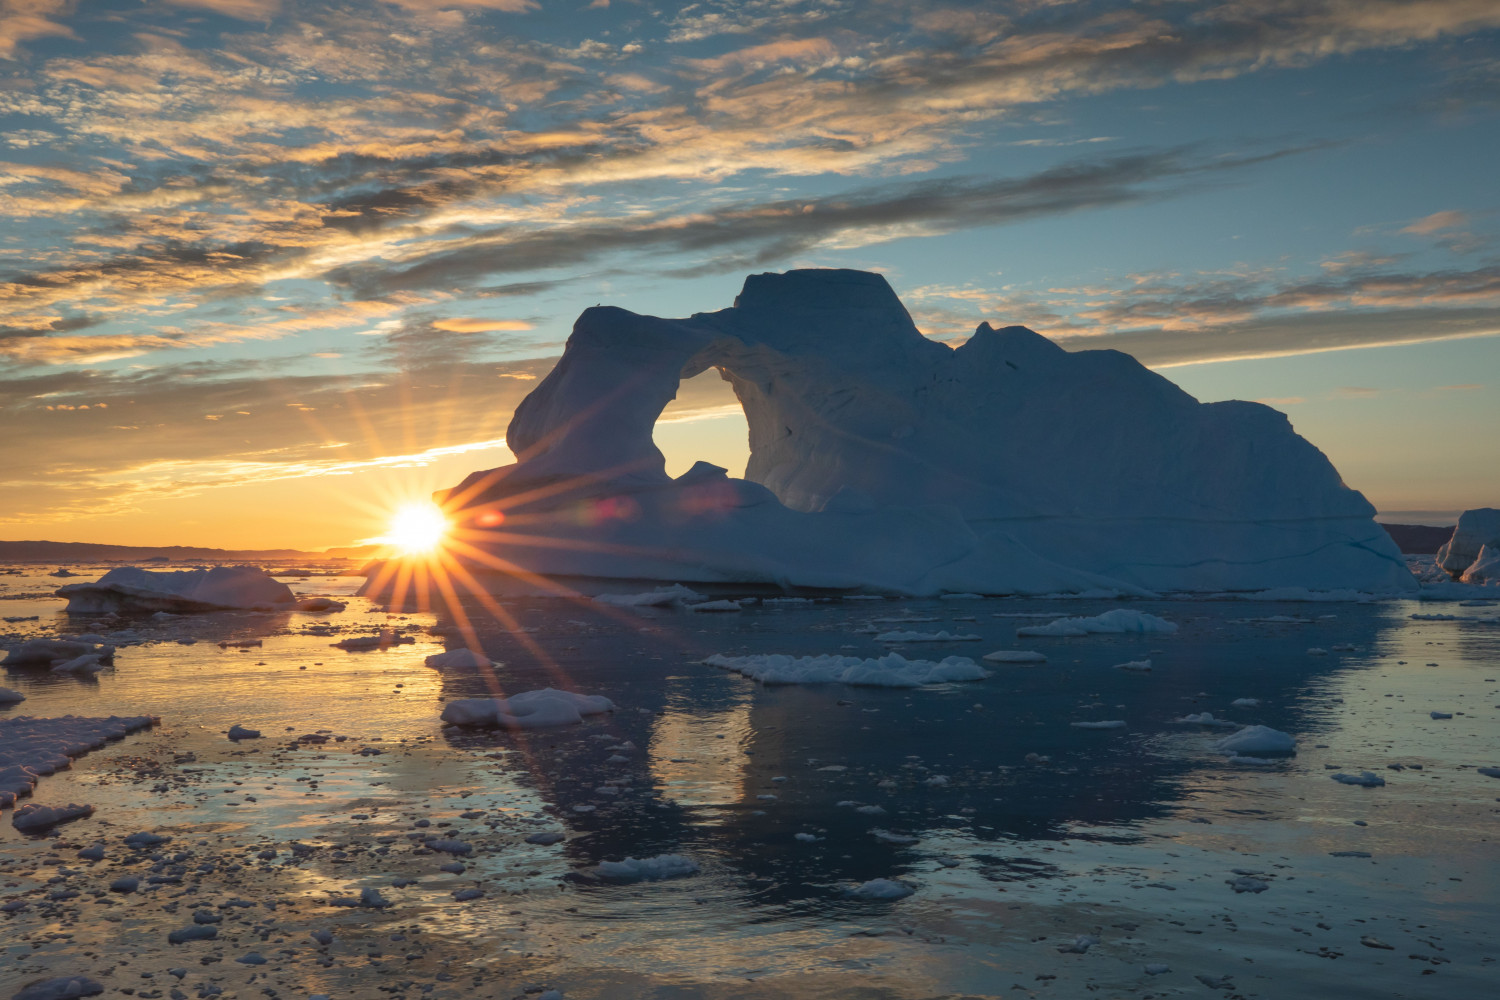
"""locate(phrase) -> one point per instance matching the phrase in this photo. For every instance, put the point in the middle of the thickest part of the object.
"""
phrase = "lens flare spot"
(417, 528)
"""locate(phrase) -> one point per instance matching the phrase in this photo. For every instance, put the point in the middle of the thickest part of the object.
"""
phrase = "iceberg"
(885, 462)
(132, 589)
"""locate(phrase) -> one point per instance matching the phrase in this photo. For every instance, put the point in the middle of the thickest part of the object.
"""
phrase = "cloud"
(1436, 222)
(459, 324)
(244, 10)
(26, 20)
(758, 234)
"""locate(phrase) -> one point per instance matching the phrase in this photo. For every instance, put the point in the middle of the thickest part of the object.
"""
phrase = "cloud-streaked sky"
(263, 256)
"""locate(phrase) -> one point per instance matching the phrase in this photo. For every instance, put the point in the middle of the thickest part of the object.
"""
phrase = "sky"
(270, 267)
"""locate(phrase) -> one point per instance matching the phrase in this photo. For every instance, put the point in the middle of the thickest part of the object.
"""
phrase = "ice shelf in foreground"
(130, 588)
(882, 460)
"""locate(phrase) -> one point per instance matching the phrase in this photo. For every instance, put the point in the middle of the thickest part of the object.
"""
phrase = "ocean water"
(1041, 858)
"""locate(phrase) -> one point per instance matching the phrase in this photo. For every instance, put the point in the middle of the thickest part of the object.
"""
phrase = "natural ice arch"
(881, 459)
(704, 423)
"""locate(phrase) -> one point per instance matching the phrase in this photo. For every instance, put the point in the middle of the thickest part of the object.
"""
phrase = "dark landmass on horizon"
(1412, 539)
(76, 552)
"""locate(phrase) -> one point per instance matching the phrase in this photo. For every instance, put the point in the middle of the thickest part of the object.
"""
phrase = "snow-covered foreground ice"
(813, 840)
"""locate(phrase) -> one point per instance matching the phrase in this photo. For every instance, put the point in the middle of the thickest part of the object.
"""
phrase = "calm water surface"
(1017, 831)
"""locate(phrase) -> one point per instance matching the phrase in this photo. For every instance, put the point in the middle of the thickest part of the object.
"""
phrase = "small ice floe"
(1316, 651)
(51, 652)
(663, 866)
(1350, 854)
(1247, 883)
(881, 888)
(1343, 647)
(1245, 703)
(449, 846)
(1245, 760)
(10, 696)
(60, 988)
(384, 640)
(238, 732)
(1365, 779)
(464, 895)
(320, 605)
(86, 665)
(1441, 715)
(1117, 621)
(1434, 618)
(1206, 719)
(716, 606)
(125, 884)
(240, 644)
(961, 597)
(132, 589)
(31, 748)
(32, 818)
(891, 837)
(943, 636)
(1490, 772)
(1257, 740)
(890, 670)
(1079, 945)
(786, 600)
(1107, 724)
(1139, 666)
(1014, 656)
(527, 710)
(193, 932)
(457, 659)
(143, 840)
(546, 838)
(806, 838)
(1156, 969)
(675, 594)
(1371, 941)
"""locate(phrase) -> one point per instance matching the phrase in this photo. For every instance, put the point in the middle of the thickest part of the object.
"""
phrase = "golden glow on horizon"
(417, 528)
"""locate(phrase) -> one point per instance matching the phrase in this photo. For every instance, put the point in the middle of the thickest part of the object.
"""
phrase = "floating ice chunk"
(368, 898)
(321, 605)
(384, 640)
(238, 732)
(457, 659)
(32, 818)
(1245, 760)
(1079, 945)
(61, 988)
(10, 696)
(881, 888)
(1490, 772)
(715, 606)
(1139, 666)
(890, 670)
(1205, 719)
(193, 932)
(528, 710)
(1156, 968)
(962, 597)
(130, 588)
(662, 866)
(47, 652)
(1434, 618)
(546, 838)
(1118, 620)
(1365, 779)
(1015, 656)
(944, 636)
(449, 846)
(144, 840)
(675, 594)
(82, 666)
(1109, 724)
(1247, 884)
(1441, 715)
(890, 837)
(1245, 703)
(1254, 740)
(1316, 651)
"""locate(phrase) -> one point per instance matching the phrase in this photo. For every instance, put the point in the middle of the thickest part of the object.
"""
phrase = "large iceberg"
(130, 588)
(1472, 555)
(882, 460)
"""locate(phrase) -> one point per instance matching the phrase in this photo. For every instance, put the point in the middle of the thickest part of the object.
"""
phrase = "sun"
(417, 528)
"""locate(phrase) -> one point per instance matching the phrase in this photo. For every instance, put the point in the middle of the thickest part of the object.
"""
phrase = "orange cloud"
(464, 325)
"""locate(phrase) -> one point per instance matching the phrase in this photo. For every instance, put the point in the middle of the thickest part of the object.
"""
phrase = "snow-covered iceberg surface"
(130, 588)
(884, 461)
(1472, 555)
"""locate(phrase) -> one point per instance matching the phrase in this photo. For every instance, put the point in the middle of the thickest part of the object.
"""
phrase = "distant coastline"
(76, 552)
